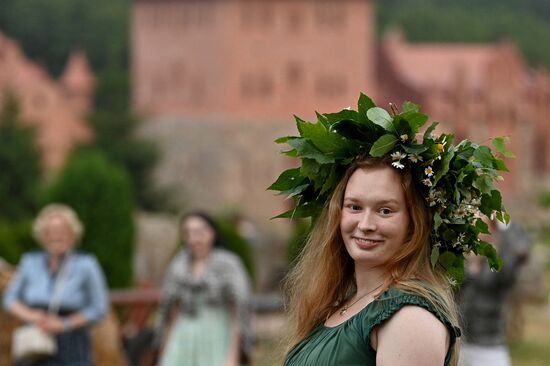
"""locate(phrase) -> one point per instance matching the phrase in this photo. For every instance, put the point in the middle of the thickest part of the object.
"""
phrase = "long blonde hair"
(323, 276)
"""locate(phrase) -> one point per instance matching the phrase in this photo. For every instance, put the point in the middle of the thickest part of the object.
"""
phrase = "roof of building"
(425, 65)
(42, 103)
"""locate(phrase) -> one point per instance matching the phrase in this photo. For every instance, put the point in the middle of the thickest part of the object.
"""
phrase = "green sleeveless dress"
(348, 343)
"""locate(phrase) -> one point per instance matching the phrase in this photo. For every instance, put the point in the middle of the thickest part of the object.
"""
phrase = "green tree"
(525, 22)
(20, 170)
(15, 239)
(116, 135)
(20, 175)
(237, 244)
(49, 30)
(297, 241)
(101, 194)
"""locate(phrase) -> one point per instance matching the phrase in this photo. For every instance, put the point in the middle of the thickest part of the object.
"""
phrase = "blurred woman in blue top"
(83, 297)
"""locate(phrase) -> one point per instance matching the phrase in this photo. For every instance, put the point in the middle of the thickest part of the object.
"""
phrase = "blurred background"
(135, 111)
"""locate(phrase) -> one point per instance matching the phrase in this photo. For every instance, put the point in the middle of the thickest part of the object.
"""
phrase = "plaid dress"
(201, 333)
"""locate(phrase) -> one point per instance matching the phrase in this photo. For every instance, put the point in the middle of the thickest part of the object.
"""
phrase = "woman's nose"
(367, 222)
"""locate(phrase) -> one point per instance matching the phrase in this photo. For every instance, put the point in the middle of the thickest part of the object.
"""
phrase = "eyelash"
(352, 207)
(383, 211)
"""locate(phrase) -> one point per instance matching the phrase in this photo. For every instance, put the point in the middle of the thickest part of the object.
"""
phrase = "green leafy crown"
(456, 180)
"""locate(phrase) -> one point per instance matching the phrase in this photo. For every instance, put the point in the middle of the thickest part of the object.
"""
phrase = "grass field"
(533, 347)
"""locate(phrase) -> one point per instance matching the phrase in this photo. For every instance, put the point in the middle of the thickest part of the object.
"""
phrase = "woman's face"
(198, 235)
(375, 220)
(57, 235)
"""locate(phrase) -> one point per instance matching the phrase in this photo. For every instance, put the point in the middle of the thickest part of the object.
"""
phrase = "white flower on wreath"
(428, 182)
(404, 137)
(429, 171)
(398, 164)
(398, 155)
(415, 158)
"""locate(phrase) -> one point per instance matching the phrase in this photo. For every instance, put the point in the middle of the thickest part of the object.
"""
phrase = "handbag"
(30, 342)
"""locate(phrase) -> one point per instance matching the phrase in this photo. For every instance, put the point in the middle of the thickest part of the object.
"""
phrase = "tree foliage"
(20, 169)
(101, 194)
(526, 22)
(52, 28)
(117, 136)
(236, 243)
(49, 30)
(20, 174)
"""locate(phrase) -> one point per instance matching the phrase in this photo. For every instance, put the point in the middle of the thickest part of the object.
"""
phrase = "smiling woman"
(375, 221)
(59, 275)
(378, 241)
(393, 217)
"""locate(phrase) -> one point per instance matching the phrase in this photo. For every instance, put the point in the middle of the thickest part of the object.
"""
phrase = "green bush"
(20, 170)
(15, 239)
(543, 199)
(237, 244)
(101, 193)
(20, 175)
(298, 239)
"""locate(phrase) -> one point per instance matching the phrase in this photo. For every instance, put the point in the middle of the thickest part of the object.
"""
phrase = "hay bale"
(7, 323)
(107, 342)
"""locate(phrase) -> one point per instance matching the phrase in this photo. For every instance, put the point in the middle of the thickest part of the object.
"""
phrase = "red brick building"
(55, 109)
(478, 91)
(218, 80)
(250, 60)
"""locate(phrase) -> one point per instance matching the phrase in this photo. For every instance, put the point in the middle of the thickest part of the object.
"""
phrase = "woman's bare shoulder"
(412, 336)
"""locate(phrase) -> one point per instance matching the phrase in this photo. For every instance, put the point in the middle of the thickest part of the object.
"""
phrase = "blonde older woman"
(82, 293)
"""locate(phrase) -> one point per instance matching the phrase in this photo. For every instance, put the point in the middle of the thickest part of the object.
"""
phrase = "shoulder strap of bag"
(55, 301)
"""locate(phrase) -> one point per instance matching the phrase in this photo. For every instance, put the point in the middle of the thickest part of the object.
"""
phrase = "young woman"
(393, 218)
(205, 308)
(364, 291)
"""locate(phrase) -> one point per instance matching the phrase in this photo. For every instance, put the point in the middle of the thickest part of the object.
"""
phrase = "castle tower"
(43, 105)
(78, 83)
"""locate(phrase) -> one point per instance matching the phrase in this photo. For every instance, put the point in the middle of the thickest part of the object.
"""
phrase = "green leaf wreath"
(456, 180)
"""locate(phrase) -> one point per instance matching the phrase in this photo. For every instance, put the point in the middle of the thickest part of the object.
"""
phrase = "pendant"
(343, 311)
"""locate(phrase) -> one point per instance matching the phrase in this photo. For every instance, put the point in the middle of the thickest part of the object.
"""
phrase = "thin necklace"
(346, 307)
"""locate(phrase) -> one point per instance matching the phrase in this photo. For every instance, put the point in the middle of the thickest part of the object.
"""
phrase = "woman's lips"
(366, 243)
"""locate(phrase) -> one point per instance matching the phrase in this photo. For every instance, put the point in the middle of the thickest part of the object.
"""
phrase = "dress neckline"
(364, 309)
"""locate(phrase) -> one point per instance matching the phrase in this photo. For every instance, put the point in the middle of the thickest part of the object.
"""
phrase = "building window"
(295, 20)
(184, 15)
(177, 74)
(206, 14)
(331, 15)
(158, 86)
(256, 85)
(257, 15)
(198, 91)
(330, 85)
(39, 101)
(294, 74)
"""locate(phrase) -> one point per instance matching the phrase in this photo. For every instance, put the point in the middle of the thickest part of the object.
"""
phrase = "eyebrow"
(380, 202)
